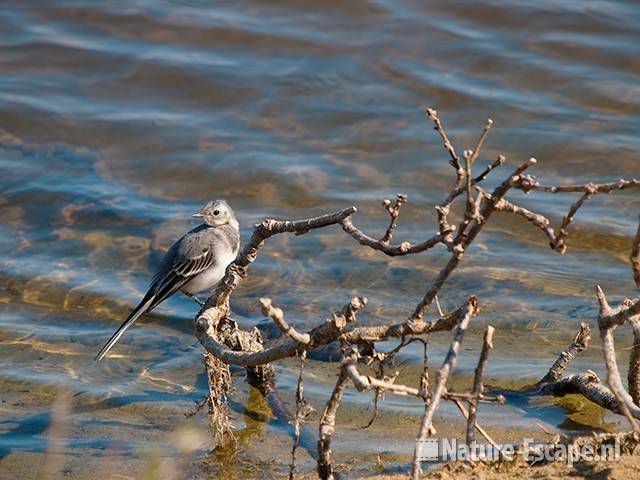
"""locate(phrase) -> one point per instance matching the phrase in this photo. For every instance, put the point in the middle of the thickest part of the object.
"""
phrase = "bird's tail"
(137, 312)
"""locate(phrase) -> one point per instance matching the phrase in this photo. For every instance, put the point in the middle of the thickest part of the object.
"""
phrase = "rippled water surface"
(119, 119)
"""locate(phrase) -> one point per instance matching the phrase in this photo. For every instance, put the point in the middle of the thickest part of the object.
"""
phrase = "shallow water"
(118, 119)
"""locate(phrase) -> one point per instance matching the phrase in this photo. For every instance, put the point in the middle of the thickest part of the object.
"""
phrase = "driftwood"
(226, 344)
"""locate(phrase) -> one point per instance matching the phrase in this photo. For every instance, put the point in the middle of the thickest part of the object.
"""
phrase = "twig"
(404, 248)
(478, 387)
(303, 409)
(277, 315)
(444, 208)
(579, 344)
(322, 335)
(463, 241)
(536, 219)
(498, 162)
(199, 406)
(393, 211)
(262, 231)
(470, 157)
(586, 384)
(443, 373)
(528, 184)
(437, 125)
(633, 375)
(568, 218)
(608, 320)
(328, 426)
(363, 383)
(481, 430)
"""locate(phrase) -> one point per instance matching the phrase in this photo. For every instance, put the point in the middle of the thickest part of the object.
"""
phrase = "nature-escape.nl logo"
(533, 451)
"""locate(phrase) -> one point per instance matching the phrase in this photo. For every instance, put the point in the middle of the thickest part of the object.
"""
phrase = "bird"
(194, 264)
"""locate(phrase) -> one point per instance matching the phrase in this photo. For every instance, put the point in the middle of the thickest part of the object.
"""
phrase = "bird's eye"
(216, 212)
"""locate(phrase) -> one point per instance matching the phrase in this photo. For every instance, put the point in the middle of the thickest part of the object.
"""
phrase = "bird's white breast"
(210, 277)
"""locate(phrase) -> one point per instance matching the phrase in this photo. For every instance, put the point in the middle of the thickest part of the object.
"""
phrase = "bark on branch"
(608, 320)
(579, 344)
(478, 387)
(322, 335)
(443, 373)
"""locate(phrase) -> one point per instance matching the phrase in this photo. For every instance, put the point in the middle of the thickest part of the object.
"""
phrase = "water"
(119, 119)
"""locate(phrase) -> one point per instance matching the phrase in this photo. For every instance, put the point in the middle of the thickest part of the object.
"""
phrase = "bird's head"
(217, 213)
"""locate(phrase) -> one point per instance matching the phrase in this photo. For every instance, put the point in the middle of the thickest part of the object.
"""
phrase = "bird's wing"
(184, 260)
(181, 265)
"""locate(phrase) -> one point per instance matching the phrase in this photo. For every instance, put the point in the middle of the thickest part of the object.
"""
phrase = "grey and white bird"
(195, 263)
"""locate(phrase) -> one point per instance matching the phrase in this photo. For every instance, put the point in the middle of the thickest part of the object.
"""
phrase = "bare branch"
(613, 317)
(568, 218)
(455, 161)
(536, 219)
(226, 344)
(303, 409)
(322, 335)
(579, 344)
(267, 228)
(443, 373)
(363, 383)
(481, 430)
(633, 375)
(586, 384)
(470, 157)
(498, 162)
(528, 184)
(470, 396)
(394, 211)
(478, 387)
(328, 426)
(608, 321)
(277, 315)
(463, 241)
(404, 248)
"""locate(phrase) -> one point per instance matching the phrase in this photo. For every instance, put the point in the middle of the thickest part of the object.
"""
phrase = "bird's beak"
(196, 215)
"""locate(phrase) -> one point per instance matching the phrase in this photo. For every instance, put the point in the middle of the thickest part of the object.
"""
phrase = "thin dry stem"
(303, 409)
(328, 427)
(404, 248)
(568, 218)
(480, 430)
(464, 239)
(608, 320)
(633, 375)
(322, 335)
(528, 184)
(277, 315)
(393, 211)
(579, 344)
(443, 373)
(478, 386)
(437, 125)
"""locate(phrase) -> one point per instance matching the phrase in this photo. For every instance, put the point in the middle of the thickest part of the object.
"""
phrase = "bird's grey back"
(202, 240)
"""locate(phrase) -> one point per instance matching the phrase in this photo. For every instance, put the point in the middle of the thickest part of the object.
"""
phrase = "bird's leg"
(194, 298)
